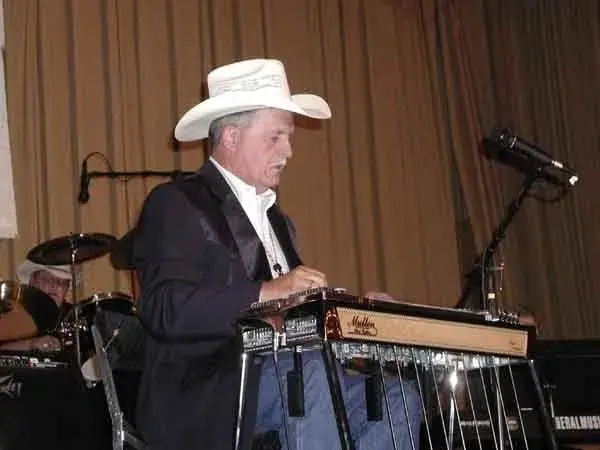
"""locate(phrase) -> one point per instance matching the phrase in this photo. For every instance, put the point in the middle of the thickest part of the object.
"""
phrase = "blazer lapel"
(246, 240)
(249, 245)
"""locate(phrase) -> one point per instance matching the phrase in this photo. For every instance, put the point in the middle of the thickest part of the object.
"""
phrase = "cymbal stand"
(74, 283)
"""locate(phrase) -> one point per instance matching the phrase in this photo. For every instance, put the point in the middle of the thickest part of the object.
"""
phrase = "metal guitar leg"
(241, 399)
(547, 422)
(337, 398)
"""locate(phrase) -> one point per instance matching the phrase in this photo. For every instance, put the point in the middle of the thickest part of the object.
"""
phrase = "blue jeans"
(317, 430)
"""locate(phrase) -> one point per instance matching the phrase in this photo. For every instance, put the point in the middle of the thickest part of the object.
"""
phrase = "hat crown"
(264, 76)
(245, 86)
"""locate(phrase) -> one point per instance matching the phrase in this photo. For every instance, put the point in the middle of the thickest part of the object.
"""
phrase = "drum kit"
(21, 303)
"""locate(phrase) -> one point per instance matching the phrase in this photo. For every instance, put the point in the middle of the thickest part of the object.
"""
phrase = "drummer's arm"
(21, 344)
(44, 343)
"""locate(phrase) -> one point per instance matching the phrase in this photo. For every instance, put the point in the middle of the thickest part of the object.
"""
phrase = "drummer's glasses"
(51, 281)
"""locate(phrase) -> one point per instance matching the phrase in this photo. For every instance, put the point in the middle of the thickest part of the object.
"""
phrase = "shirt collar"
(243, 190)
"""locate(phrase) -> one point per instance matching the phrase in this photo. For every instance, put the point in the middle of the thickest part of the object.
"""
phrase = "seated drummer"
(55, 282)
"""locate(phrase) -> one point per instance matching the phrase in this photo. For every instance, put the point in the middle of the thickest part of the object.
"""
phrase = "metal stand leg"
(241, 399)
(500, 419)
(336, 397)
(547, 423)
(451, 421)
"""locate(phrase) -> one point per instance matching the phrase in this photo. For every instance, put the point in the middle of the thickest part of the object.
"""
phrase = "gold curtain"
(530, 66)
(391, 194)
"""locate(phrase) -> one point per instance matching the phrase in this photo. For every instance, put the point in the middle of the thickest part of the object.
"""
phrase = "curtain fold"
(394, 193)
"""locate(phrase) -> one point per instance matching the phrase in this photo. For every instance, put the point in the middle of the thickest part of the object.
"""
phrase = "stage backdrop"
(8, 213)
(392, 194)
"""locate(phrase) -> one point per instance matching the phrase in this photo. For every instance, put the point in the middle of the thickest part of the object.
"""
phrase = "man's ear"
(230, 137)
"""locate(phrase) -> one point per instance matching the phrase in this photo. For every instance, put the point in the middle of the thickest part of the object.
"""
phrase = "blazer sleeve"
(193, 287)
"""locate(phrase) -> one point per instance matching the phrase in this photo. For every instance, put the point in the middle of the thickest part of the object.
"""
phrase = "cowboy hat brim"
(195, 123)
(27, 268)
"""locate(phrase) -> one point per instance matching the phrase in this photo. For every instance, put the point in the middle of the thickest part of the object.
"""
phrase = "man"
(209, 245)
(54, 281)
(65, 415)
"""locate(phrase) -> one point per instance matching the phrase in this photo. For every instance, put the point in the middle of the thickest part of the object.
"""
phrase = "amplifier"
(10, 359)
(47, 405)
(570, 373)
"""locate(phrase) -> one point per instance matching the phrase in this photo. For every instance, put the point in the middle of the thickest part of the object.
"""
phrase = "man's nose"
(286, 149)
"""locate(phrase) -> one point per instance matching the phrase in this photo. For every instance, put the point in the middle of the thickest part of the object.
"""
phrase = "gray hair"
(239, 119)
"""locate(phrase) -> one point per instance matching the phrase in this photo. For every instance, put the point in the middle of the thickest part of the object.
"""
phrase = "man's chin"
(270, 185)
(274, 181)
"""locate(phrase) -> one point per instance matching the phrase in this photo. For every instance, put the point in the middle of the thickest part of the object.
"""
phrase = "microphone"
(84, 184)
(504, 139)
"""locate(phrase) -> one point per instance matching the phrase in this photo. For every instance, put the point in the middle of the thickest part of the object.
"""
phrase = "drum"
(108, 311)
(101, 305)
(111, 312)
(25, 311)
(113, 302)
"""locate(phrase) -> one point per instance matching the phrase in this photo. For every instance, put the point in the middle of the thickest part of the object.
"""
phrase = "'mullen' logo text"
(362, 326)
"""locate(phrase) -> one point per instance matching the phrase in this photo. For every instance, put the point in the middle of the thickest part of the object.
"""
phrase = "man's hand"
(299, 279)
(45, 343)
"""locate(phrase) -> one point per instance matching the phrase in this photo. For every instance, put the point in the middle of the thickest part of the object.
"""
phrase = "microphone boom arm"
(480, 272)
(84, 195)
(137, 174)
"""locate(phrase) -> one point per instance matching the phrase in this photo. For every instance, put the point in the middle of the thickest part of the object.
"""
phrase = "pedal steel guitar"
(440, 346)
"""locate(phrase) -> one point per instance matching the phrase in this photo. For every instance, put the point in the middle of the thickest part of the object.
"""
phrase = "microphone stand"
(480, 272)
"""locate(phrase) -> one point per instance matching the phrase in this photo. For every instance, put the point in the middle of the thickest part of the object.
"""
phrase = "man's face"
(260, 149)
(55, 287)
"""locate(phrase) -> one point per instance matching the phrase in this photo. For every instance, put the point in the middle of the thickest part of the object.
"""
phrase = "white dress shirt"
(256, 206)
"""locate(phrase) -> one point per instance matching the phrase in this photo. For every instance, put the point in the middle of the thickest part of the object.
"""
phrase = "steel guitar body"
(333, 315)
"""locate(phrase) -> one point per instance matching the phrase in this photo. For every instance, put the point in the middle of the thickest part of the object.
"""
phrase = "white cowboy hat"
(28, 268)
(245, 86)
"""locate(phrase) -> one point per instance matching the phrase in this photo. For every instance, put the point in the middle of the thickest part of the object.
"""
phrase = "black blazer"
(200, 262)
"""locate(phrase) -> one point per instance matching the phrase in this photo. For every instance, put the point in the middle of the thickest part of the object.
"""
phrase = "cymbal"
(59, 251)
